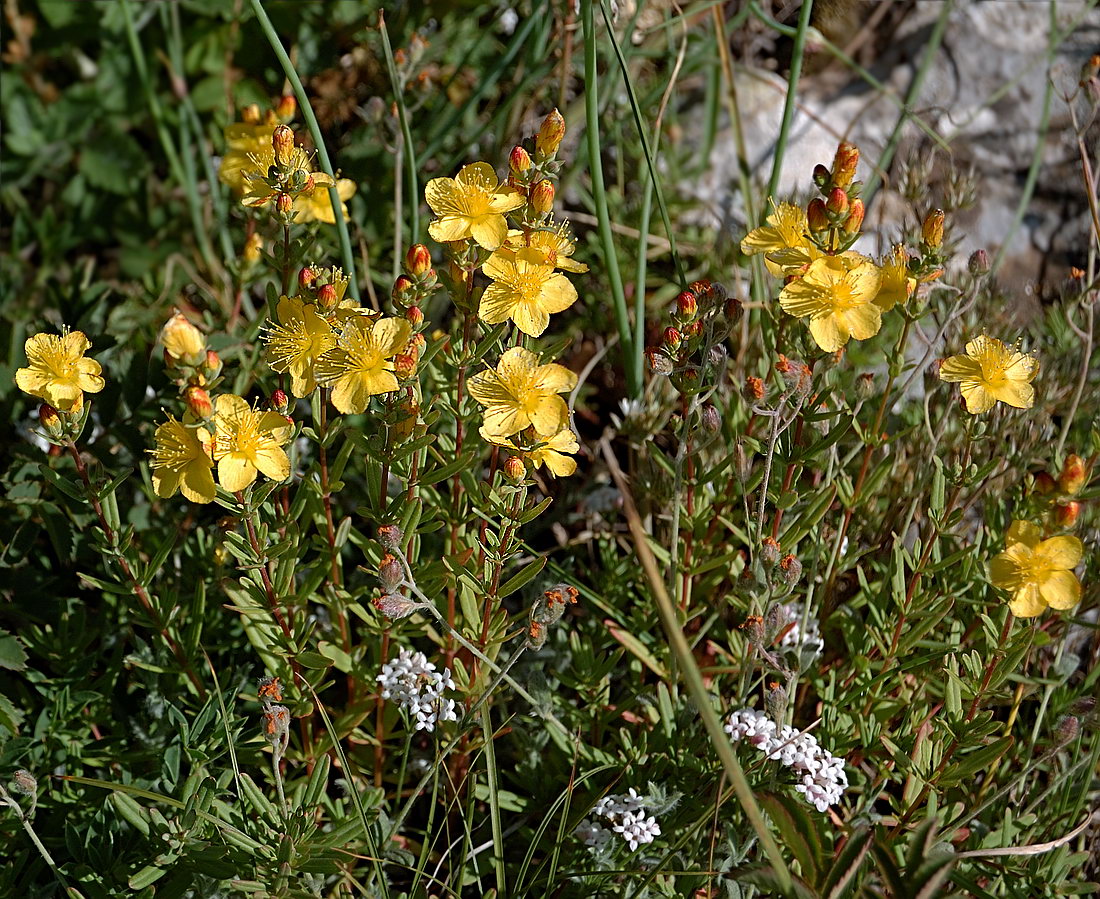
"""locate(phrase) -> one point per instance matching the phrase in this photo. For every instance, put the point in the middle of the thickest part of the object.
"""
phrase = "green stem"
(792, 92)
(406, 134)
(318, 141)
(599, 196)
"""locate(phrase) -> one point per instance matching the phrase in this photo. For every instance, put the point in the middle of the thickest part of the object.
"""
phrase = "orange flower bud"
(414, 316)
(198, 402)
(307, 276)
(250, 115)
(686, 304)
(769, 551)
(403, 285)
(287, 107)
(932, 229)
(542, 197)
(391, 572)
(673, 338)
(1065, 514)
(816, 216)
(754, 388)
(844, 164)
(404, 365)
(514, 469)
(551, 131)
(418, 259)
(327, 296)
(1045, 484)
(48, 417)
(837, 203)
(855, 217)
(694, 329)
(282, 141)
(279, 401)
(1074, 475)
(519, 160)
(284, 204)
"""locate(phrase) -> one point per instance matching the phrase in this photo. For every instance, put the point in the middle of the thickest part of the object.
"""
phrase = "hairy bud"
(769, 551)
(978, 263)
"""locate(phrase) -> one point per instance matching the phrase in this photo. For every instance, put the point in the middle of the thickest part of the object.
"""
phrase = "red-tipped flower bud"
(932, 229)
(844, 164)
(418, 259)
(687, 304)
(673, 338)
(519, 160)
(837, 203)
(854, 222)
(404, 365)
(1045, 483)
(307, 276)
(282, 142)
(816, 216)
(414, 316)
(287, 107)
(251, 115)
(1074, 475)
(327, 295)
(514, 469)
(551, 131)
(279, 401)
(542, 196)
(284, 204)
(1065, 514)
(402, 286)
(48, 417)
(198, 402)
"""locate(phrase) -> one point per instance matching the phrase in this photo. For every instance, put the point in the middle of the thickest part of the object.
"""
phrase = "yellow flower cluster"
(256, 146)
(1037, 573)
(58, 371)
(523, 409)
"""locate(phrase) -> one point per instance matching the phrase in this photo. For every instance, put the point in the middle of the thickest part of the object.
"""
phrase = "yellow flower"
(58, 371)
(248, 440)
(361, 364)
(1038, 573)
(316, 205)
(182, 461)
(249, 151)
(991, 371)
(472, 204)
(837, 294)
(897, 284)
(259, 191)
(183, 341)
(554, 452)
(784, 240)
(548, 248)
(295, 344)
(523, 290)
(521, 393)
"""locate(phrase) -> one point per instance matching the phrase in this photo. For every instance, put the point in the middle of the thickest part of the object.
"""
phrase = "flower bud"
(775, 701)
(734, 309)
(821, 176)
(854, 222)
(978, 263)
(279, 401)
(282, 142)
(183, 342)
(673, 338)
(284, 204)
(837, 203)
(790, 570)
(327, 296)
(49, 419)
(1065, 514)
(865, 386)
(307, 276)
(844, 164)
(542, 197)
(712, 419)
(414, 316)
(701, 288)
(932, 229)
(250, 115)
(769, 551)
(390, 536)
(198, 402)
(277, 726)
(753, 625)
(1066, 729)
(1045, 483)
(686, 304)
(1074, 475)
(514, 469)
(391, 572)
(1090, 69)
(551, 131)
(252, 248)
(287, 107)
(395, 606)
(24, 782)
(659, 363)
(816, 216)
(402, 285)
(404, 366)
(418, 259)
(754, 388)
(519, 160)
(269, 690)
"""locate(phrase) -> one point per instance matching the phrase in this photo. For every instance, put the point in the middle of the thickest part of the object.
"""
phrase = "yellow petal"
(61, 395)
(449, 228)
(272, 462)
(440, 194)
(236, 472)
(230, 406)
(560, 465)
(497, 303)
(1023, 532)
(554, 378)
(503, 421)
(1027, 603)
(197, 482)
(390, 335)
(477, 174)
(32, 381)
(489, 231)
(558, 294)
(960, 368)
(828, 333)
(863, 321)
(978, 399)
(530, 319)
(1004, 572)
(1060, 589)
(165, 482)
(1060, 552)
(549, 416)
(501, 266)
(75, 343)
(1015, 393)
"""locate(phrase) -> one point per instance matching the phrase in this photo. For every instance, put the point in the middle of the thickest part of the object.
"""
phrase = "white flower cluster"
(821, 776)
(795, 637)
(625, 815)
(411, 680)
